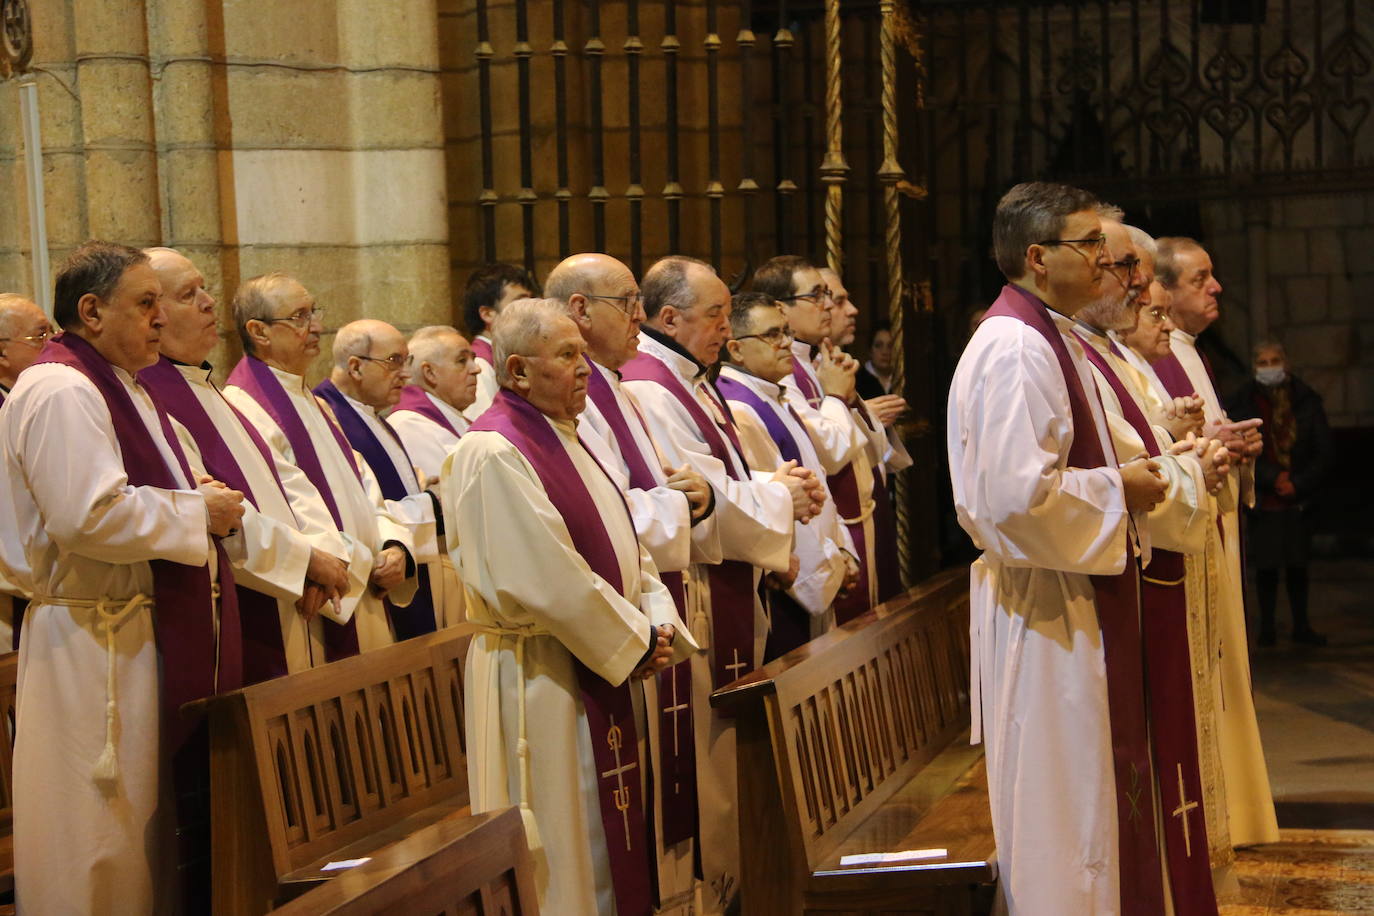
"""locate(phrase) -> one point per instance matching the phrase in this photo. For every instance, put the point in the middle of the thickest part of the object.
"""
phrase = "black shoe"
(1308, 637)
(1266, 640)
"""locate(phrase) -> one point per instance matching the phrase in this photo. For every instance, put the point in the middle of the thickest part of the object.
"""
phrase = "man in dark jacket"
(1288, 476)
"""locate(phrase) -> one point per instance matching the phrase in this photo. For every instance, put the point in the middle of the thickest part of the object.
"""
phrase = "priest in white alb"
(687, 322)
(121, 542)
(1055, 641)
(280, 327)
(568, 625)
(285, 550)
(443, 383)
(1185, 269)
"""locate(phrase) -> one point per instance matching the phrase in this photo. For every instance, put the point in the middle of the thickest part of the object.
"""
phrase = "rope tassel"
(106, 770)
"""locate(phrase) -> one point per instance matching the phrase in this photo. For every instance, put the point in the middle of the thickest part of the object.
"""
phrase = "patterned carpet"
(1307, 873)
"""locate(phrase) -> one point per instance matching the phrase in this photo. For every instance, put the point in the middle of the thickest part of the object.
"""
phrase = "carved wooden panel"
(9, 673)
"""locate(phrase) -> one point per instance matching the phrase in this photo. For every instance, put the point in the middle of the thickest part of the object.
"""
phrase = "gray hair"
(1111, 212)
(96, 268)
(666, 286)
(254, 301)
(1268, 343)
(351, 340)
(1032, 212)
(742, 311)
(1144, 243)
(518, 330)
(430, 344)
(9, 304)
(1166, 260)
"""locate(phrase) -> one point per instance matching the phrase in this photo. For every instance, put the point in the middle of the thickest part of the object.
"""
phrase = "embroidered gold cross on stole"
(1184, 806)
(734, 669)
(673, 711)
(621, 793)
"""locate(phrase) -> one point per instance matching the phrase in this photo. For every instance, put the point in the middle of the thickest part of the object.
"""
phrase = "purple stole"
(610, 709)
(183, 596)
(264, 654)
(255, 377)
(1118, 614)
(1164, 620)
(417, 618)
(732, 581)
(482, 348)
(777, 430)
(414, 399)
(1175, 377)
(677, 768)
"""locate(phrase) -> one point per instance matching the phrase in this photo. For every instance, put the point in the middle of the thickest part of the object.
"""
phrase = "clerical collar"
(1191, 338)
(676, 347)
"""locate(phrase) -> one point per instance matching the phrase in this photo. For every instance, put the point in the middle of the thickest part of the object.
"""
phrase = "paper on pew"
(346, 863)
(884, 858)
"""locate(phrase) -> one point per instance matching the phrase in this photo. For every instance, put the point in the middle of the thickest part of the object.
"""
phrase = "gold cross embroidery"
(1184, 806)
(621, 793)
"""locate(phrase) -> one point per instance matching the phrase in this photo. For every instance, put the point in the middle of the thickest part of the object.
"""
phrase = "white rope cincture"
(106, 769)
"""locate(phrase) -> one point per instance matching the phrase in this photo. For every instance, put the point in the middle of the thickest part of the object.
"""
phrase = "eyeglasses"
(631, 302)
(813, 296)
(774, 336)
(301, 320)
(394, 363)
(33, 340)
(1094, 244)
(1157, 314)
(1128, 264)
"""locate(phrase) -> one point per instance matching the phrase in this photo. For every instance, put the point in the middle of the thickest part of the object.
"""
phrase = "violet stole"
(255, 377)
(1164, 620)
(264, 654)
(417, 618)
(676, 760)
(732, 581)
(482, 347)
(1118, 614)
(610, 709)
(414, 399)
(184, 602)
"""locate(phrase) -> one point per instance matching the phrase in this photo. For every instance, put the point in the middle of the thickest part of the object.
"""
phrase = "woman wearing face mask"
(1288, 475)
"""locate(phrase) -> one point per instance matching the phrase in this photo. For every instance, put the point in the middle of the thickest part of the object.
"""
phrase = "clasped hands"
(662, 652)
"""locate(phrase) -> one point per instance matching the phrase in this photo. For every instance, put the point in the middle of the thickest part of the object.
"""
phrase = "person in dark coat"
(1288, 479)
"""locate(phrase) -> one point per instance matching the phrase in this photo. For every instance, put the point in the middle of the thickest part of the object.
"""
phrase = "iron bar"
(803, 133)
(785, 187)
(634, 193)
(563, 196)
(526, 196)
(748, 186)
(487, 198)
(715, 191)
(595, 50)
(672, 189)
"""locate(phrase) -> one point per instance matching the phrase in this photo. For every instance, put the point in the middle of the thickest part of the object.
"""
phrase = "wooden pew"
(471, 865)
(333, 763)
(858, 743)
(9, 676)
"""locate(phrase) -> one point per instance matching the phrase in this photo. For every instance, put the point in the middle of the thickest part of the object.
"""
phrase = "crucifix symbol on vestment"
(1184, 806)
(621, 793)
(734, 669)
(673, 711)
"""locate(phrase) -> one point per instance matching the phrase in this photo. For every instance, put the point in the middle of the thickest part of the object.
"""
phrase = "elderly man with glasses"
(371, 368)
(24, 329)
(280, 327)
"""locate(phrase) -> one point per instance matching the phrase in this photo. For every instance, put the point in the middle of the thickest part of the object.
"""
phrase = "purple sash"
(610, 709)
(677, 748)
(414, 399)
(808, 386)
(777, 429)
(255, 377)
(417, 618)
(1174, 377)
(1164, 618)
(264, 654)
(482, 347)
(1118, 614)
(184, 601)
(732, 581)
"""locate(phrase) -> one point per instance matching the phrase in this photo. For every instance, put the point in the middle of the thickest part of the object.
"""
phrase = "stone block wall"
(300, 135)
(1299, 268)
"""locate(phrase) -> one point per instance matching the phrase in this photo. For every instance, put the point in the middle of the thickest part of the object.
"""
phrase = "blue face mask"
(1271, 375)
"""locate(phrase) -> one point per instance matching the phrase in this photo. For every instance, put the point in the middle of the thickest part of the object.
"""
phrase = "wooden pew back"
(472, 865)
(830, 732)
(305, 767)
(9, 678)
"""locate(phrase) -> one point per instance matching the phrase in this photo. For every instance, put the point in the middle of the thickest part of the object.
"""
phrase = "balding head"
(24, 330)
(687, 302)
(192, 328)
(538, 352)
(441, 363)
(370, 362)
(601, 296)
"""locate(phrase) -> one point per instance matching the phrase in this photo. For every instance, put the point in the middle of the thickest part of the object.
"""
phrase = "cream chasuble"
(367, 523)
(86, 534)
(1038, 671)
(527, 685)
